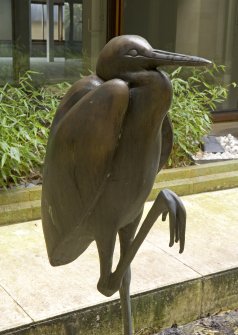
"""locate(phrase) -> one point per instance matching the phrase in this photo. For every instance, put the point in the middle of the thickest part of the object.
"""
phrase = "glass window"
(5, 41)
(73, 29)
(205, 28)
(80, 29)
(39, 22)
(5, 26)
(73, 21)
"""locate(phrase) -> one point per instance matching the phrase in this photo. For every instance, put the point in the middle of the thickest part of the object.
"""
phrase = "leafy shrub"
(26, 113)
(195, 94)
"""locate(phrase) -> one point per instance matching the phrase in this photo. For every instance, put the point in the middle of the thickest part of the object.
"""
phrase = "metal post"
(50, 31)
(71, 23)
(20, 37)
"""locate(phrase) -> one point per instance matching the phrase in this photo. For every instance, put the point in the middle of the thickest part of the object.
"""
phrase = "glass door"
(205, 28)
(66, 37)
(5, 41)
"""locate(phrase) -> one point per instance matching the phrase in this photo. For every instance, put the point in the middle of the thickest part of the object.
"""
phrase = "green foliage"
(196, 92)
(26, 113)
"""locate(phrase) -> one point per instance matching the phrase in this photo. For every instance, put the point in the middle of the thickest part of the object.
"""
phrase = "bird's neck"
(144, 78)
(151, 91)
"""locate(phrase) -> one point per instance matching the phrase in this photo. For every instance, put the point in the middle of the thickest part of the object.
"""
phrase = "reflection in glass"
(79, 35)
(204, 28)
(5, 41)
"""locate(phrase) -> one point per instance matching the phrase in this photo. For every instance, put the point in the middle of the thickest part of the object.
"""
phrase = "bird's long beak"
(170, 58)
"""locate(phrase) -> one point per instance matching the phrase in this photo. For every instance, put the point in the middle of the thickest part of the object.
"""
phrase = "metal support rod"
(50, 31)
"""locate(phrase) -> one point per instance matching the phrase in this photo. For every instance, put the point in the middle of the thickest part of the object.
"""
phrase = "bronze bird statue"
(110, 137)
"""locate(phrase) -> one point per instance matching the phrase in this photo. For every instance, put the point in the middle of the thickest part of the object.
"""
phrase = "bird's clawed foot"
(177, 217)
(167, 202)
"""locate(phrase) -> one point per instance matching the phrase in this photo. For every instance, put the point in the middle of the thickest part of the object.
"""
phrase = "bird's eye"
(132, 52)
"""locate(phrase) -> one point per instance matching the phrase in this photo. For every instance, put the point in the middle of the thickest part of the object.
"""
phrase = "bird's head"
(131, 53)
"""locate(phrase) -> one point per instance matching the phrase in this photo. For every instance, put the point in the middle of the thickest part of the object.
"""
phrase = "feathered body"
(105, 150)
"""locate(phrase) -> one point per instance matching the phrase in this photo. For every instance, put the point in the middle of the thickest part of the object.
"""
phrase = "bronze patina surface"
(110, 137)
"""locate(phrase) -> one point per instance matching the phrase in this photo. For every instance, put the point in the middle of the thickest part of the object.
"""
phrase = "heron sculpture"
(110, 137)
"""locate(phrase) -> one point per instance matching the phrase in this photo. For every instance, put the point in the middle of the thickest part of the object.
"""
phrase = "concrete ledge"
(24, 204)
(160, 308)
(20, 195)
(20, 212)
(197, 178)
(193, 185)
(220, 292)
(197, 170)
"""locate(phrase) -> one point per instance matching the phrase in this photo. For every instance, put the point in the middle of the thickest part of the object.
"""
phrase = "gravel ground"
(225, 323)
(230, 146)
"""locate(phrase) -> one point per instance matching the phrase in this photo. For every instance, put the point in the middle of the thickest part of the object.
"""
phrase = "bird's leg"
(166, 202)
(126, 236)
(105, 246)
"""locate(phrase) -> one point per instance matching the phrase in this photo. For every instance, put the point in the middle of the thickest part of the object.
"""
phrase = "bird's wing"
(79, 89)
(79, 157)
(167, 141)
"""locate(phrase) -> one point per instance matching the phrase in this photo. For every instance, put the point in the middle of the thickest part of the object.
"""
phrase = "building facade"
(62, 39)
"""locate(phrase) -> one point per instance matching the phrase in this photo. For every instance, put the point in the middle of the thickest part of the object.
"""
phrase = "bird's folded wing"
(80, 154)
(166, 141)
(76, 92)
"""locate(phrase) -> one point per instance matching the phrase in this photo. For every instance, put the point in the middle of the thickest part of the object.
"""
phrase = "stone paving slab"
(44, 291)
(11, 314)
(32, 290)
(211, 235)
